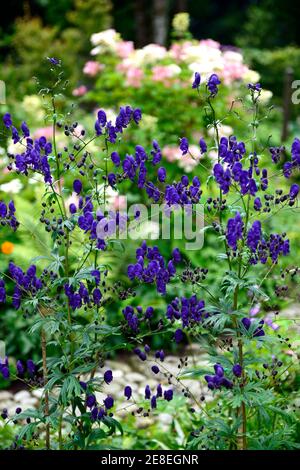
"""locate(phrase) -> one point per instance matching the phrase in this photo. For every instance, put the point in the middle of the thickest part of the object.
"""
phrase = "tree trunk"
(160, 21)
(141, 30)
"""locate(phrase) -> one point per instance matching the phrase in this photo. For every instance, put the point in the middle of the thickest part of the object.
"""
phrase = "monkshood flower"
(257, 204)
(234, 231)
(89, 221)
(7, 120)
(276, 153)
(108, 376)
(203, 146)
(26, 283)
(123, 119)
(197, 80)
(182, 193)
(231, 151)
(295, 161)
(29, 368)
(254, 236)
(156, 153)
(258, 331)
(184, 145)
(237, 370)
(81, 296)
(4, 368)
(212, 84)
(161, 174)
(128, 392)
(108, 402)
(7, 215)
(53, 61)
(152, 268)
(77, 186)
(2, 292)
(254, 87)
(135, 316)
(189, 310)
(294, 190)
(35, 156)
(218, 380)
(222, 177)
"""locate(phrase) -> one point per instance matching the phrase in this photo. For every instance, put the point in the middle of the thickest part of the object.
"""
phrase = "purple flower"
(184, 145)
(83, 385)
(161, 174)
(94, 414)
(101, 117)
(202, 145)
(112, 179)
(108, 376)
(219, 370)
(159, 390)
(147, 392)
(25, 129)
(20, 368)
(90, 400)
(254, 86)
(176, 255)
(153, 402)
(258, 331)
(97, 296)
(156, 153)
(77, 186)
(197, 80)
(7, 120)
(178, 335)
(109, 402)
(2, 292)
(234, 231)
(294, 190)
(31, 367)
(127, 392)
(137, 115)
(254, 236)
(53, 60)
(168, 395)
(155, 369)
(115, 158)
(237, 370)
(72, 208)
(212, 84)
(257, 204)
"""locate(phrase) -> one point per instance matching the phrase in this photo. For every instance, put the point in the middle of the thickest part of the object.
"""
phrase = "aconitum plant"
(70, 298)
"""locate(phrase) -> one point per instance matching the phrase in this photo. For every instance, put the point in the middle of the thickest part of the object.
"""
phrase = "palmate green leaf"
(95, 435)
(280, 439)
(113, 425)
(57, 377)
(253, 395)
(29, 413)
(70, 388)
(27, 431)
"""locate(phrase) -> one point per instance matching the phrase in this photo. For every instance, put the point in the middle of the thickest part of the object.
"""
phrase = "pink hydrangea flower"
(92, 67)
(134, 76)
(124, 49)
(80, 91)
(43, 132)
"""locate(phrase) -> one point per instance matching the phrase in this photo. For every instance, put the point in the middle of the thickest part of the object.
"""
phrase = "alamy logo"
(2, 92)
(155, 222)
(296, 93)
